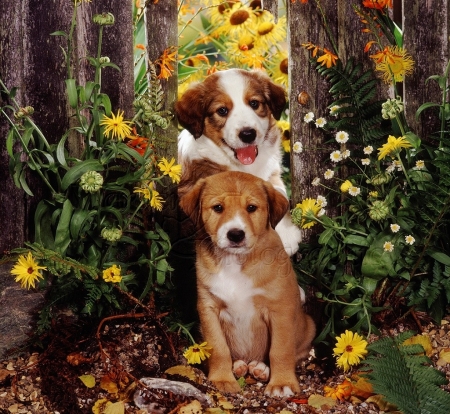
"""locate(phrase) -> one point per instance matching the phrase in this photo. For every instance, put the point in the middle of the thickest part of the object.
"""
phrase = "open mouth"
(245, 155)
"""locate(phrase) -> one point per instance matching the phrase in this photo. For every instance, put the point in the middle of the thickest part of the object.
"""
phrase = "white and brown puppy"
(248, 298)
(230, 125)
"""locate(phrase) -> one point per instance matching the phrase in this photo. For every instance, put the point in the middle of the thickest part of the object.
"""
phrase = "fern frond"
(405, 377)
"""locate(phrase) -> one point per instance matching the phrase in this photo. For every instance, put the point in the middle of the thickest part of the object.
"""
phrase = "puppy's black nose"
(236, 235)
(247, 135)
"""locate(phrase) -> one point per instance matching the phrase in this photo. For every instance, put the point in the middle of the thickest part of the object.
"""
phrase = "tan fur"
(279, 331)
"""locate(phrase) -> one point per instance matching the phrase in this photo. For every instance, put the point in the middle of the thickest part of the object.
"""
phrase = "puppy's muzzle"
(236, 236)
(247, 135)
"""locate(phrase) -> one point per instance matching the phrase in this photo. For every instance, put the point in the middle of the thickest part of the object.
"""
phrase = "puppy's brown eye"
(222, 111)
(218, 208)
(254, 104)
(251, 208)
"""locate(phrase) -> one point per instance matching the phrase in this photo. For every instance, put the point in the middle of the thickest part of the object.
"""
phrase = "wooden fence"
(32, 60)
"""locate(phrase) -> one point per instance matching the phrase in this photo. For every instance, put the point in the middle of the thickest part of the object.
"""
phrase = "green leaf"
(104, 100)
(440, 257)
(59, 33)
(413, 139)
(424, 106)
(23, 183)
(10, 142)
(358, 240)
(78, 170)
(369, 284)
(62, 234)
(61, 151)
(43, 233)
(72, 92)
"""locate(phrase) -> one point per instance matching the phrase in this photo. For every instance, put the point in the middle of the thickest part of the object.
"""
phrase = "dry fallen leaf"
(192, 408)
(321, 402)
(381, 403)
(87, 380)
(115, 408)
(421, 340)
(108, 385)
(362, 388)
(184, 370)
(444, 357)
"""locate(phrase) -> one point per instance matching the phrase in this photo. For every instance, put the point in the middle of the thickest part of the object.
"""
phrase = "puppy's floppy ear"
(277, 100)
(190, 202)
(190, 109)
(278, 204)
(274, 94)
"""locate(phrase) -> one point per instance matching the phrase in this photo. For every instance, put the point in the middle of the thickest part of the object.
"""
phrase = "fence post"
(426, 30)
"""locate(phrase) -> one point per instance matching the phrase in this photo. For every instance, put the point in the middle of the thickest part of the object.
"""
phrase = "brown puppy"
(230, 120)
(248, 298)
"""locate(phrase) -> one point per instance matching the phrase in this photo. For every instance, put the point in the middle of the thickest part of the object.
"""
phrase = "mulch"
(120, 351)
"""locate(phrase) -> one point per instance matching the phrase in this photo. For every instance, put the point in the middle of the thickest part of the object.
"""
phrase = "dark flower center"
(349, 348)
(30, 270)
(284, 66)
(239, 17)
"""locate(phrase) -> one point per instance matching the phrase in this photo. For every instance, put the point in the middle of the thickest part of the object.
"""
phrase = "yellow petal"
(184, 370)
(87, 380)
(115, 408)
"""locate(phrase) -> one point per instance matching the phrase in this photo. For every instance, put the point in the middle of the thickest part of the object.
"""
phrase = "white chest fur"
(237, 291)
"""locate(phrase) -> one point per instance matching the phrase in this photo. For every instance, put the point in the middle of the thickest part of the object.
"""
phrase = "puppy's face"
(234, 209)
(234, 108)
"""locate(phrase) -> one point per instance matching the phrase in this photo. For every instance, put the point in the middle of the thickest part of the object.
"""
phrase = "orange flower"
(341, 392)
(140, 46)
(138, 143)
(377, 4)
(165, 63)
(328, 58)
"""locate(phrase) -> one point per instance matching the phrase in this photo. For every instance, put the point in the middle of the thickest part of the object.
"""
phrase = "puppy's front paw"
(290, 234)
(227, 385)
(259, 371)
(240, 368)
(279, 391)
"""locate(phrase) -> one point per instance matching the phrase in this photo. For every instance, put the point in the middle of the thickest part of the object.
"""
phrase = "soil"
(121, 351)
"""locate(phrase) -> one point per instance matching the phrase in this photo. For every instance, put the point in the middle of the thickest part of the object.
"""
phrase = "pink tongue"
(247, 155)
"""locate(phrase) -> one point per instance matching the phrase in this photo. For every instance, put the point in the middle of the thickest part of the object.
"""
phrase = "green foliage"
(389, 248)
(354, 91)
(93, 218)
(405, 377)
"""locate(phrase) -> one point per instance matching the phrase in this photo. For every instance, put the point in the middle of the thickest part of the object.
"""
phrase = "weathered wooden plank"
(426, 32)
(271, 6)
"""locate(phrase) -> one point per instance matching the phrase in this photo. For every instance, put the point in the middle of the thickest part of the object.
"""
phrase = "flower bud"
(91, 181)
(104, 59)
(23, 112)
(112, 235)
(296, 215)
(380, 179)
(378, 210)
(104, 19)
(345, 186)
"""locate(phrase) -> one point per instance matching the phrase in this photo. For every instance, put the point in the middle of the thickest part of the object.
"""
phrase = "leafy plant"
(405, 377)
(92, 233)
(388, 253)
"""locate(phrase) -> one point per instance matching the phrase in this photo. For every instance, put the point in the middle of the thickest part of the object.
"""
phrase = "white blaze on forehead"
(241, 115)
(235, 223)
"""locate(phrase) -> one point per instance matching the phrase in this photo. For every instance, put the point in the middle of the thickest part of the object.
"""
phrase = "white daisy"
(395, 228)
(315, 182)
(333, 110)
(420, 164)
(328, 174)
(365, 161)
(297, 147)
(322, 200)
(410, 239)
(388, 246)
(342, 137)
(336, 156)
(354, 191)
(308, 117)
(345, 154)
(368, 150)
(320, 122)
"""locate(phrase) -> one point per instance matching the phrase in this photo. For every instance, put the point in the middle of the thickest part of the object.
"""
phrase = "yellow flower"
(270, 33)
(285, 135)
(394, 63)
(112, 274)
(171, 169)
(116, 125)
(27, 271)
(195, 354)
(153, 196)
(303, 214)
(346, 185)
(242, 52)
(393, 147)
(237, 20)
(278, 68)
(350, 349)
